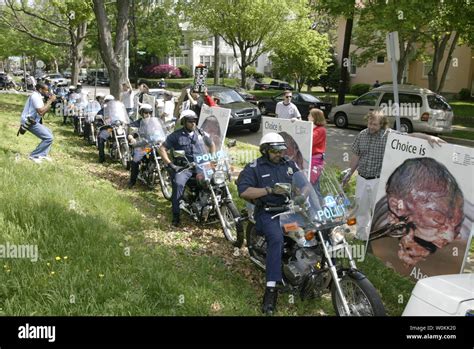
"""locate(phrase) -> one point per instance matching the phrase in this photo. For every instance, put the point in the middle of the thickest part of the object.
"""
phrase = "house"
(460, 74)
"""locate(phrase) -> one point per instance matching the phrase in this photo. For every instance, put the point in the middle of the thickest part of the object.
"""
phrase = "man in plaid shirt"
(368, 151)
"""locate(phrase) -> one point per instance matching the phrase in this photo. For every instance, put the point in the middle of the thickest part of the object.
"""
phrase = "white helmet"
(109, 98)
(146, 107)
(72, 87)
(272, 140)
(187, 114)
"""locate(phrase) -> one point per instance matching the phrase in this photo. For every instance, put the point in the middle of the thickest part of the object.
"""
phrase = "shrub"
(359, 89)
(161, 71)
(250, 71)
(464, 94)
(185, 71)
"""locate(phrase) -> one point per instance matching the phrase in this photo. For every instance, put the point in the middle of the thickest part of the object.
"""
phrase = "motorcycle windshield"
(152, 130)
(207, 161)
(332, 206)
(115, 111)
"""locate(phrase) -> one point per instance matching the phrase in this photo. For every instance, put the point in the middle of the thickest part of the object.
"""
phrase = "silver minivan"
(420, 109)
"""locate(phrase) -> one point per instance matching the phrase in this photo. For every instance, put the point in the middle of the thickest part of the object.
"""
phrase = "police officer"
(92, 109)
(185, 139)
(104, 133)
(255, 184)
(145, 112)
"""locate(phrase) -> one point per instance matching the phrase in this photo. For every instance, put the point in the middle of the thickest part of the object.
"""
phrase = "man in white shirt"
(31, 120)
(287, 110)
(127, 96)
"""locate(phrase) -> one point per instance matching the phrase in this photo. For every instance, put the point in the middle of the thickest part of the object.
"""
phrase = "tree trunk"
(344, 82)
(112, 53)
(439, 47)
(217, 60)
(243, 65)
(448, 62)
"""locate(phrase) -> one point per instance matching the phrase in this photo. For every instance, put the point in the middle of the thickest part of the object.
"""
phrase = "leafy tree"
(300, 53)
(245, 25)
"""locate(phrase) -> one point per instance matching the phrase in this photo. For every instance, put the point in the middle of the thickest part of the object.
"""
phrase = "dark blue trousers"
(179, 183)
(274, 236)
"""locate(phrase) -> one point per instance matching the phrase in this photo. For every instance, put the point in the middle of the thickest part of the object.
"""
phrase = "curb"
(459, 141)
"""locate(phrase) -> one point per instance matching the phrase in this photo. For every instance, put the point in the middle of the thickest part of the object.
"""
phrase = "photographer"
(30, 120)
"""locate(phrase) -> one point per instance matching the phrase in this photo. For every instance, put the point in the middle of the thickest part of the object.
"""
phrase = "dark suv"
(244, 115)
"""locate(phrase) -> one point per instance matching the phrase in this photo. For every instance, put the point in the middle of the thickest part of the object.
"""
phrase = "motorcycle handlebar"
(276, 209)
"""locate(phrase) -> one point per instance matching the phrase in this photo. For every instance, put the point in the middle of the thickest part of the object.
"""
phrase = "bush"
(250, 71)
(161, 71)
(359, 89)
(258, 76)
(465, 94)
(185, 71)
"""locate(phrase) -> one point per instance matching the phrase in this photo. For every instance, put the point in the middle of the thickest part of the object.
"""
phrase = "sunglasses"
(147, 112)
(275, 151)
(288, 96)
(191, 121)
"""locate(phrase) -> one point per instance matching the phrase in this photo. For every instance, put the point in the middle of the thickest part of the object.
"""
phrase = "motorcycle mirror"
(284, 187)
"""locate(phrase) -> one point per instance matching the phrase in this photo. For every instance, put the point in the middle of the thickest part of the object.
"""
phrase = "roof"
(403, 88)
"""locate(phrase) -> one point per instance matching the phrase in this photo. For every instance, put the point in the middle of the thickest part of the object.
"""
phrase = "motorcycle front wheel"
(233, 230)
(125, 150)
(361, 296)
(165, 183)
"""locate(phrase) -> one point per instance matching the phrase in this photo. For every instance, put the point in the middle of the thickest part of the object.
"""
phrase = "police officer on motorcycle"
(145, 112)
(185, 139)
(255, 184)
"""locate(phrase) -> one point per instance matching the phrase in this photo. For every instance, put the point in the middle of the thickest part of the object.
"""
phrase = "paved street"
(338, 143)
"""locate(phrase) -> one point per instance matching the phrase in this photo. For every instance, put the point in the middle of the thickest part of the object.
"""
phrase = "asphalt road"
(338, 143)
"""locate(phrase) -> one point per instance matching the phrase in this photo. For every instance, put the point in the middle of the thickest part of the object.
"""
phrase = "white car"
(420, 109)
(444, 295)
(58, 79)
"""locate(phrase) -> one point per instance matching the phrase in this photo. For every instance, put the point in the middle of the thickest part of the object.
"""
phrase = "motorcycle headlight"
(336, 236)
(120, 130)
(219, 177)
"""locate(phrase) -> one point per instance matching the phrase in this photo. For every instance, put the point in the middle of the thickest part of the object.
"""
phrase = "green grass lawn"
(106, 250)
(463, 113)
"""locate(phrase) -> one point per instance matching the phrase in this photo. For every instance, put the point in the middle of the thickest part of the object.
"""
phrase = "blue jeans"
(46, 136)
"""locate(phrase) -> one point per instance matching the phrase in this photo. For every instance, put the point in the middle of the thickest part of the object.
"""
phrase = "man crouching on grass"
(31, 120)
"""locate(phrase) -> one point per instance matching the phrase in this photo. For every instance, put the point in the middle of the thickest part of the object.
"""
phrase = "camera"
(25, 127)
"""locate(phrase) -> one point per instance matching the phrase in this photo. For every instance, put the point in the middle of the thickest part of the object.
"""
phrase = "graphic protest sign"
(149, 99)
(200, 76)
(214, 121)
(423, 215)
(298, 136)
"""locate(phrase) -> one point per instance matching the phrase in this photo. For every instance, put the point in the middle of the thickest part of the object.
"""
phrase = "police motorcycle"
(207, 198)
(116, 122)
(152, 170)
(316, 257)
(90, 121)
(7, 83)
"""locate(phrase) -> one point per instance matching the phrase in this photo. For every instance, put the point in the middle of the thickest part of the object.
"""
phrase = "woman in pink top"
(316, 116)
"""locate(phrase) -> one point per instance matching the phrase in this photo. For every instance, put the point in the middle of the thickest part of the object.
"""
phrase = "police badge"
(290, 171)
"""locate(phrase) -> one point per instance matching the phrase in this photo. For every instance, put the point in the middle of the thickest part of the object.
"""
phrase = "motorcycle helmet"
(188, 115)
(109, 98)
(145, 107)
(272, 141)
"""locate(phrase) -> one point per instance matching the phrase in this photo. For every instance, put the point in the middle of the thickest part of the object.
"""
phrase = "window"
(369, 99)
(208, 61)
(181, 60)
(426, 69)
(380, 59)
(353, 67)
(438, 102)
(207, 42)
(404, 99)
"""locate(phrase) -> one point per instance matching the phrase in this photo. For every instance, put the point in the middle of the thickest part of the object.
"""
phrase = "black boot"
(101, 146)
(269, 301)
(134, 168)
(175, 222)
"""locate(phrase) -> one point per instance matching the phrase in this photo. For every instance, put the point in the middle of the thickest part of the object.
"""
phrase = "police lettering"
(404, 147)
(331, 212)
(210, 157)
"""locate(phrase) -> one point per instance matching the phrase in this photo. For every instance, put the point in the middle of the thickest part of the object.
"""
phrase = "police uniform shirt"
(264, 173)
(187, 141)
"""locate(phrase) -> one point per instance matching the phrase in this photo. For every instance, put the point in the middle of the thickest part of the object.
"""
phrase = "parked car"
(67, 73)
(246, 96)
(83, 75)
(273, 85)
(58, 79)
(444, 295)
(244, 115)
(303, 101)
(421, 110)
(102, 78)
(18, 72)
